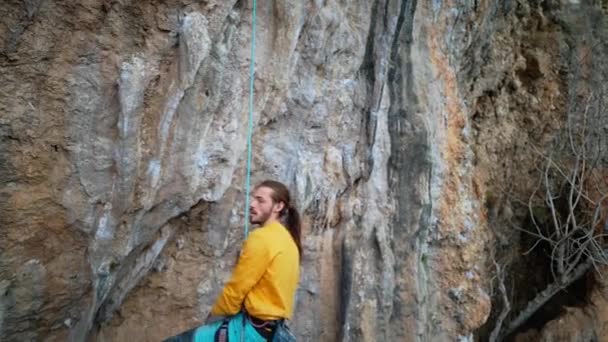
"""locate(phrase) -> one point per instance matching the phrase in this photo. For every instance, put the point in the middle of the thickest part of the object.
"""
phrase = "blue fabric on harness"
(206, 333)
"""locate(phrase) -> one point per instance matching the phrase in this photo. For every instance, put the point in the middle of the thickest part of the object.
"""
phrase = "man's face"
(262, 206)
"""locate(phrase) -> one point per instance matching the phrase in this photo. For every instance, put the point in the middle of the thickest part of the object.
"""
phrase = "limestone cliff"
(396, 123)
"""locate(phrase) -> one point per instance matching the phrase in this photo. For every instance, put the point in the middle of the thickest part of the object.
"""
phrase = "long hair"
(289, 216)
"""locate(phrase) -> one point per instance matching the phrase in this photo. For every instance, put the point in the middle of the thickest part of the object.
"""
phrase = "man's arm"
(249, 269)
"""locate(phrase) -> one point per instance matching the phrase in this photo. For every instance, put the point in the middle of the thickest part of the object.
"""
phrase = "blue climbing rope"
(250, 125)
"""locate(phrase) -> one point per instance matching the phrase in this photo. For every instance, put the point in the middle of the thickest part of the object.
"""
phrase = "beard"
(259, 218)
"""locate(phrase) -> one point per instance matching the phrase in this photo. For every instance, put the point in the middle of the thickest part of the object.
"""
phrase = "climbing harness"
(221, 335)
(250, 121)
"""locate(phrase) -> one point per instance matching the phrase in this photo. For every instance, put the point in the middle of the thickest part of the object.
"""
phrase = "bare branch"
(544, 296)
(506, 305)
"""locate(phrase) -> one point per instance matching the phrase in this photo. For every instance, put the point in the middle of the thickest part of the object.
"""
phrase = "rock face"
(395, 123)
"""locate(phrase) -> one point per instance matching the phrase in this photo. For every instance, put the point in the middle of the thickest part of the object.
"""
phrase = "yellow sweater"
(265, 278)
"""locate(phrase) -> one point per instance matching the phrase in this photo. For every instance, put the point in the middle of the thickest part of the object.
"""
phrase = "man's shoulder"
(269, 233)
(259, 235)
(257, 240)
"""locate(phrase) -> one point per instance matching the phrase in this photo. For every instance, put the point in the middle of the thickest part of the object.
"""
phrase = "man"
(261, 291)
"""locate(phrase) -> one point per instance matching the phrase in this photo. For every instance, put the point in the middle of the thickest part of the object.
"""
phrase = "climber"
(260, 293)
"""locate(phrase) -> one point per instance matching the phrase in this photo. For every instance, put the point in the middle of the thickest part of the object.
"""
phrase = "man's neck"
(269, 222)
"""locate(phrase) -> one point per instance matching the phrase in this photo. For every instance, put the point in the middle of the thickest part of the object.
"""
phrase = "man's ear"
(280, 206)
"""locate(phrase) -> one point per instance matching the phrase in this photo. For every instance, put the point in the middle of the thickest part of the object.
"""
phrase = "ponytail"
(294, 226)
